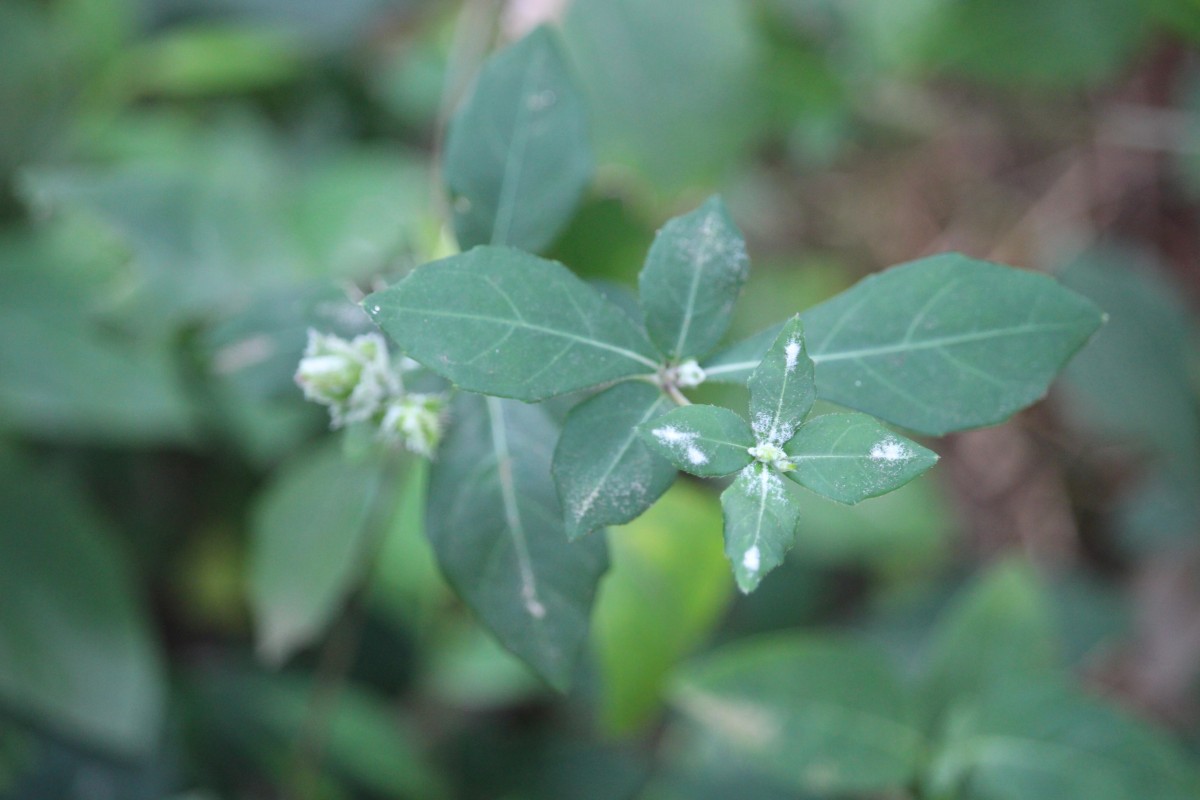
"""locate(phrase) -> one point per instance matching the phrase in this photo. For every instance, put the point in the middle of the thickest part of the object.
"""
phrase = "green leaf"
(667, 588)
(503, 322)
(781, 387)
(1045, 741)
(946, 343)
(496, 526)
(517, 153)
(937, 345)
(693, 275)
(310, 535)
(76, 649)
(606, 475)
(999, 627)
(821, 716)
(761, 517)
(850, 457)
(708, 441)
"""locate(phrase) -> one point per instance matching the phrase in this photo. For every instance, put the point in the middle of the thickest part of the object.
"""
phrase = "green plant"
(938, 345)
(251, 546)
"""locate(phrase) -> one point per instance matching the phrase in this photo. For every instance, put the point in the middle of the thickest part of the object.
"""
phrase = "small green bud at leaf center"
(773, 456)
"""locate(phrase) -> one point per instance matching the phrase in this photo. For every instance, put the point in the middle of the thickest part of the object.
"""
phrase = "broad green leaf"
(850, 457)
(503, 322)
(946, 343)
(654, 73)
(781, 387)
(708, 441)
(496, 526)
(761, 517)
(1044, 741)
(310, 535)
(77, 652)
(1000, 627)
(693, 275)
(937, 345)
(606, 475)
(667, 588)
(518, 157)
(822, 716)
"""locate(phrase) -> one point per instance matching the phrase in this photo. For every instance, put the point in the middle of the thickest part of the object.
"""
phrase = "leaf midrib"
(927, 344)
(512, 512)
(630, 354)
(937, 343)
(515, 158)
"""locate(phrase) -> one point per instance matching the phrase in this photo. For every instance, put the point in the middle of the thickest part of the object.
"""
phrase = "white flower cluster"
(357, 380)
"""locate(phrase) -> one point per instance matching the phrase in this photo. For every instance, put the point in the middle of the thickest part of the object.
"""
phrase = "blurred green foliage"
(186, 186)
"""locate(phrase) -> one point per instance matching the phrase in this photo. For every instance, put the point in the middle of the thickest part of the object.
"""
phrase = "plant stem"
(676, 395)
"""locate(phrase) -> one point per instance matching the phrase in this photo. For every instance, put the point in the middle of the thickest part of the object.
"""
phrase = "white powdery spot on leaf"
(889, 450)
(752, 560)
(696, 456)
(669, 434)
(791, 352)
(761, 424)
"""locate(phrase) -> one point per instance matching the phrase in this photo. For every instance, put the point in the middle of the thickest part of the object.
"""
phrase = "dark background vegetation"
(186, 185)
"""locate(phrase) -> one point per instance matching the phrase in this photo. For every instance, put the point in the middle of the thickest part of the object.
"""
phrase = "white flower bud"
(689, 374)
(353, 378)
(415, 420)
(772, 455)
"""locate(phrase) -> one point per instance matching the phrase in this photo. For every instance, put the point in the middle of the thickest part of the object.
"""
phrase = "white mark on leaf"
(669, 434)
(792, 352)
(696, 455)
(889, 450)
(752, 559)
